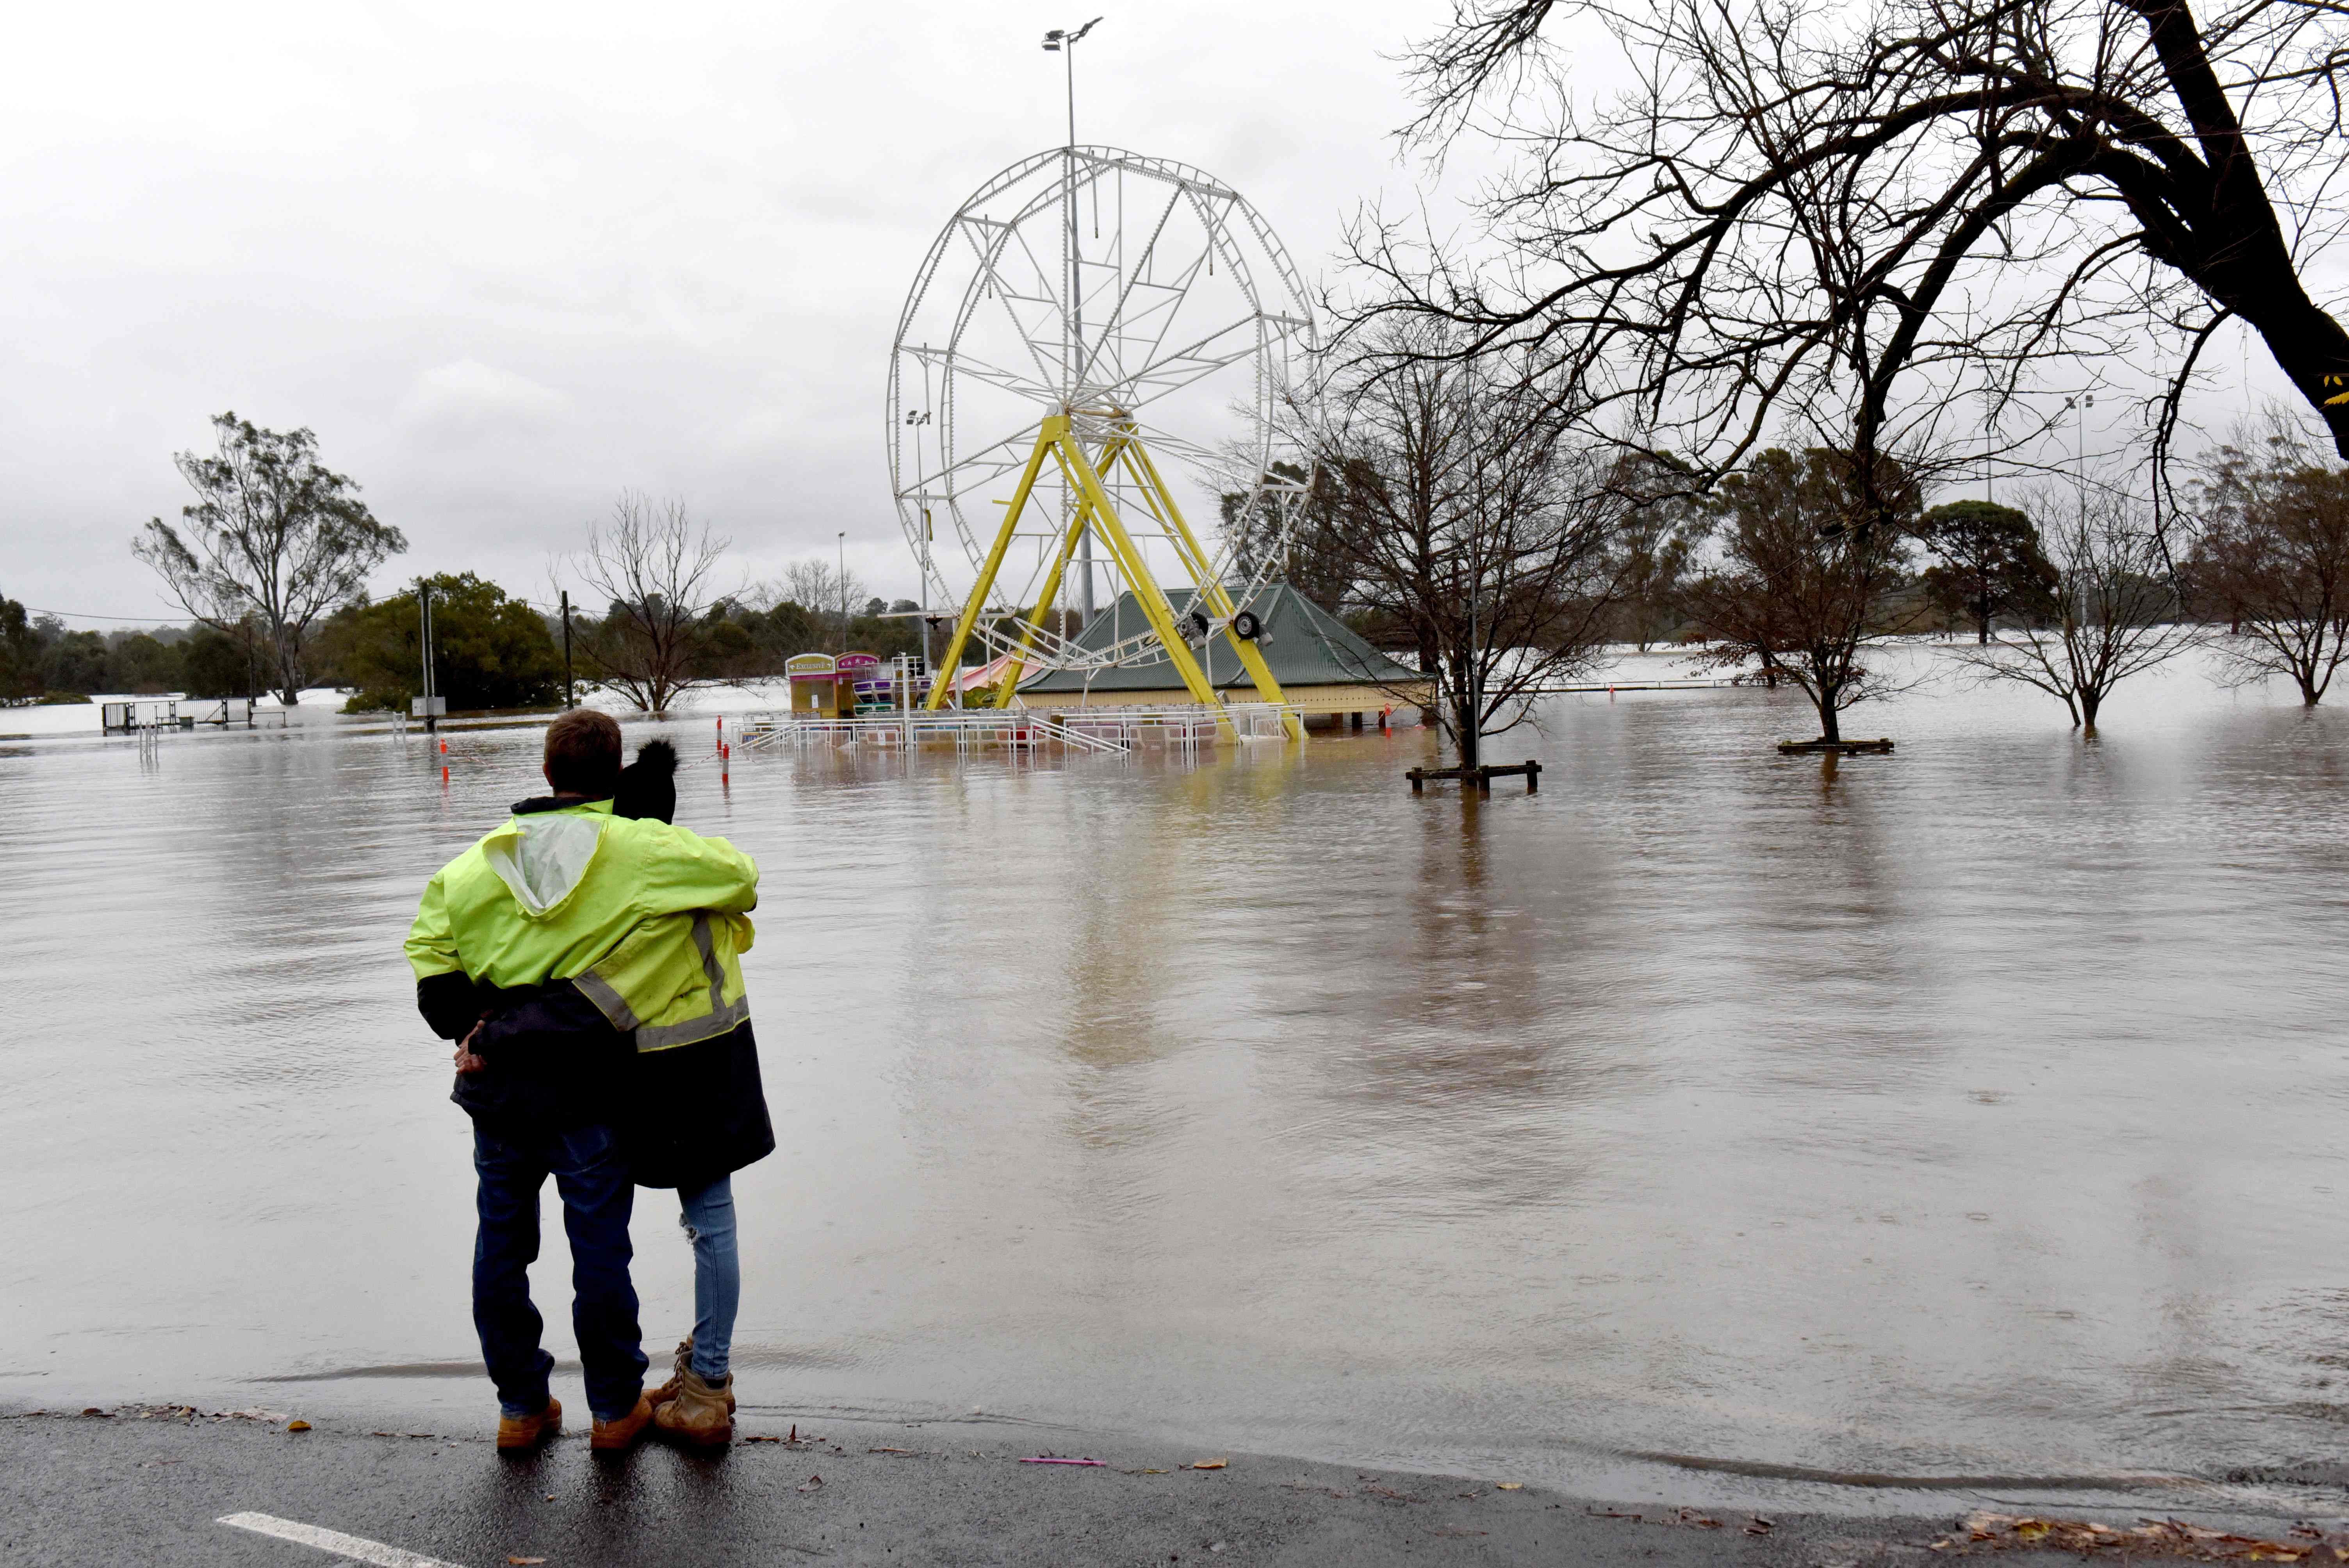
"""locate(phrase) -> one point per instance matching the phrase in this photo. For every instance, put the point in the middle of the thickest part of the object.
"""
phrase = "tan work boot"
(702, 1413)
(529, 1431)
(669, 1390)
(610, 1436)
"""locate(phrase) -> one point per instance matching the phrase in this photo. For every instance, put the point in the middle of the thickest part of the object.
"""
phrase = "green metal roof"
(1303, 645)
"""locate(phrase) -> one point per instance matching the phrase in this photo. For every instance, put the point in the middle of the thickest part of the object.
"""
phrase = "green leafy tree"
(214, 664)
(76, 662)
(1813, 549)
(20, 654)
(273, 541)
(489, 650)
(1988, 562)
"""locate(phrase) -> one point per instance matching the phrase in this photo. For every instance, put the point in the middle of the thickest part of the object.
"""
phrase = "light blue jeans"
(707, 1222)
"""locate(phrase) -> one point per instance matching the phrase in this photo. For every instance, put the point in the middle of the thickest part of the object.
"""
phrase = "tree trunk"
(1829, 728)
(2090, 700)
(1981, 620)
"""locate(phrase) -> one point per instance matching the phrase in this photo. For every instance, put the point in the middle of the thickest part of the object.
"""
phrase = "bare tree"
(1811, 552)
(1469, 523)
(826, 592)
(2274, 559)
(653, 566)
(273, 541)
(1838, 218)
(2114, 607)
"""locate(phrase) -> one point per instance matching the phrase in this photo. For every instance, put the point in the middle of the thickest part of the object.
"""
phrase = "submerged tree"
(1809, 562)
(1990, 562)
(1472, 523)
(653, 568)
(2113, 609)
(2274, 559)
(1839, 219)
(273, 541)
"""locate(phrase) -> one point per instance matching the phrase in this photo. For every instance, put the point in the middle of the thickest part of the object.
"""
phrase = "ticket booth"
(815, 686)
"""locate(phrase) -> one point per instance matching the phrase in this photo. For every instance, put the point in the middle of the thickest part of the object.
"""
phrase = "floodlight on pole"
(1063, 41)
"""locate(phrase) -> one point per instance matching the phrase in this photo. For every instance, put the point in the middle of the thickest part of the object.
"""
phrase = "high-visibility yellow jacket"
(648, 920)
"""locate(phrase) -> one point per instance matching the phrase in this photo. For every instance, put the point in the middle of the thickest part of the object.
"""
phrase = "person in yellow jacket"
(567, 949)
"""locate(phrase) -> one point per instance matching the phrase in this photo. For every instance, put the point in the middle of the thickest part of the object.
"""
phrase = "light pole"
(1063, 42)
(843, 589)
(2079, 406)
(922, 495)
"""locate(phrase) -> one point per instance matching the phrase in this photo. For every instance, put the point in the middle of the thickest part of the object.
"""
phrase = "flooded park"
(1710, 1119)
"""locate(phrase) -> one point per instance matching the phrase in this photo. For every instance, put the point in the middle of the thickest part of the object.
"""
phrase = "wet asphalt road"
(79, 1490)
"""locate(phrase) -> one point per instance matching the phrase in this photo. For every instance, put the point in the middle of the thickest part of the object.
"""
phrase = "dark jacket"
(685, 1116)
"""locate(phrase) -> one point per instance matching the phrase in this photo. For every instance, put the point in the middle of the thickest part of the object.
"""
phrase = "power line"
(134, 620)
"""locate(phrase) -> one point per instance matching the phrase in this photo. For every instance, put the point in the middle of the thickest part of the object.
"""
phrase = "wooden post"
(1533, 777)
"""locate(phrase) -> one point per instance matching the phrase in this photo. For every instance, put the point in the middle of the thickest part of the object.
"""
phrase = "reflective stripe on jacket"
(676, 981)
(658, 911)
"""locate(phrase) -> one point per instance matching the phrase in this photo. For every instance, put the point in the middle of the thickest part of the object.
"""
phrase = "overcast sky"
(506, 259)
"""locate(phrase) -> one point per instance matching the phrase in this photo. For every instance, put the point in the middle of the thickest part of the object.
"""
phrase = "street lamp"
(2079, 406)
(917, 419)
(1063, 41)
(843, 589)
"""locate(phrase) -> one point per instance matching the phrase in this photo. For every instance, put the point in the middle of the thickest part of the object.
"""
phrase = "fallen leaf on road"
(813, 1481)
(1209, 1464)
(888, 1450)
(525, 1561)
(297, 1426)
(1508, 1486)
(762, 1440)
(1054, 1459)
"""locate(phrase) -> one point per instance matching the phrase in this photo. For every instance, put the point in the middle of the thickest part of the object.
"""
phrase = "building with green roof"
(1322, 666)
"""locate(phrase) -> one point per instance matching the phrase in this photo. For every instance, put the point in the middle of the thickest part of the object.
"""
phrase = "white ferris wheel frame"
(1084, 369)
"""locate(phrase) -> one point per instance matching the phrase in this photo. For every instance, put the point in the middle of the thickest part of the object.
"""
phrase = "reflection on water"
(1973, 1111)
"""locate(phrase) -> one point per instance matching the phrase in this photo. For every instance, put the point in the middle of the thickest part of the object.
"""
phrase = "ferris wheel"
(1085, 402)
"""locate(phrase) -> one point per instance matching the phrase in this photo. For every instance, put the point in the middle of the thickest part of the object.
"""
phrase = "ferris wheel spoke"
(1135, 277)
(1001, 287)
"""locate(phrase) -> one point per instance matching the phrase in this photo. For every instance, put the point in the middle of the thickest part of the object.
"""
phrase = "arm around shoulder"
(689, 871)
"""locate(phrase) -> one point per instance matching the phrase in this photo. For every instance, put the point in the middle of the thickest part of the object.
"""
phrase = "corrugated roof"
(1302, 644)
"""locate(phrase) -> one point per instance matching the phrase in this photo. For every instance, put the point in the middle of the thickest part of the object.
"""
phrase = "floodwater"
(1973, 1111)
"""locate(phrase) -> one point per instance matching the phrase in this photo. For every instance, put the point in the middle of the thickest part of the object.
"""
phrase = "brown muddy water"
(1976, 1111)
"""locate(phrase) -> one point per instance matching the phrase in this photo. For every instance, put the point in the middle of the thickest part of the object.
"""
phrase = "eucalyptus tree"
(273, 541)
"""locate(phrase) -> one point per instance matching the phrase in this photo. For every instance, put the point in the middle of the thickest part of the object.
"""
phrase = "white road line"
(357, 1547)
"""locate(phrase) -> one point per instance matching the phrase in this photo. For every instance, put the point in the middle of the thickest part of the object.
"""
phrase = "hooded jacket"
(566, 902)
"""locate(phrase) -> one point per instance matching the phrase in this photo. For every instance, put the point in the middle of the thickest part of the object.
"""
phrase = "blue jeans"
(707, 1221)
(597, 1195)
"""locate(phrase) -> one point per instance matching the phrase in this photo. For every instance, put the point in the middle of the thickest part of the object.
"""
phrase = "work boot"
(529, 1431)
(610, 1436)
(669, 1390)
(702, 1413)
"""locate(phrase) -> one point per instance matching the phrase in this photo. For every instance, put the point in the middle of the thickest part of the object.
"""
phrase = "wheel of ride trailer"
(1128, 293)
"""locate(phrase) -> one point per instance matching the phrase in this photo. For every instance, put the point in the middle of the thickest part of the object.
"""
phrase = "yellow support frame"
(1096, 511)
